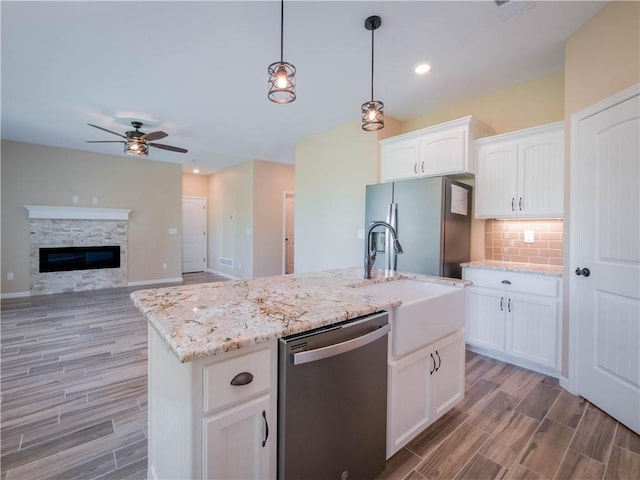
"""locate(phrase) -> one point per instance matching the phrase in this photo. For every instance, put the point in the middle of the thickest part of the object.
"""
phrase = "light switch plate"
(528, 236)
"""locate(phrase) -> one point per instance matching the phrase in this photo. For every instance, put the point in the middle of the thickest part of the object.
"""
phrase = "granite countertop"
(198, 321)
(554, 270)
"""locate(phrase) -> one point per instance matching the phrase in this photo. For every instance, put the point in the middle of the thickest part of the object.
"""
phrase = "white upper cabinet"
(445, 149)
(520, 174)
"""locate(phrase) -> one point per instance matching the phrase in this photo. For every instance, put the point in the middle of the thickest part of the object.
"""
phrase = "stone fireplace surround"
(52, 226)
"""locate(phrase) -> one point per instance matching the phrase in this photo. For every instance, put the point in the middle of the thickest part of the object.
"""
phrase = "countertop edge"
(529, 268)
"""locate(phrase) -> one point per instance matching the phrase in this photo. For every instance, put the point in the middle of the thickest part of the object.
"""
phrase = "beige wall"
(601, 58)
(245, 217)
(332, 171)
(39, 175)
(527, 105)
(195, 185)
(230, 215)
(271, 181)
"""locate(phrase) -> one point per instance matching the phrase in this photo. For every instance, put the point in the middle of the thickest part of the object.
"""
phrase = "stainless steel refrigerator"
(432, 217)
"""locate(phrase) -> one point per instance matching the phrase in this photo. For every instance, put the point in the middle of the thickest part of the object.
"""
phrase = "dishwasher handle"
(338, 348)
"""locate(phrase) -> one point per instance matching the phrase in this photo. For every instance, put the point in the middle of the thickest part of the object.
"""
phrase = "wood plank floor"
(74, 393)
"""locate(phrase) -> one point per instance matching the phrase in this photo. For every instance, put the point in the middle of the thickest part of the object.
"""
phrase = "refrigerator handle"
(392, 219)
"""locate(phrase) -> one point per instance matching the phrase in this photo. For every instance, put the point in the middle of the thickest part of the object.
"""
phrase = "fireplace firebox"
(64, 259)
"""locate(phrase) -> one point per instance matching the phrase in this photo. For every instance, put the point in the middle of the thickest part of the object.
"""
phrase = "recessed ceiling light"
(195, 170)
(422, 68)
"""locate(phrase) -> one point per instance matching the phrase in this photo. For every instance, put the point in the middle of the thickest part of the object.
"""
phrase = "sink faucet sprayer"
(369, 255)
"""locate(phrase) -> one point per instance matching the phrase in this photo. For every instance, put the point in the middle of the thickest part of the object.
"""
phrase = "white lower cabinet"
(514, 316)
(422, 386)
(235, 441)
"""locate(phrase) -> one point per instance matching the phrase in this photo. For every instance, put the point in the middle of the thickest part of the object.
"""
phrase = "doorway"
(194, 234)
(605, 256)
(289, 207)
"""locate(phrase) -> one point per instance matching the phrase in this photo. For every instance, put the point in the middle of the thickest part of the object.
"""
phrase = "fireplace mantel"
(77, 213)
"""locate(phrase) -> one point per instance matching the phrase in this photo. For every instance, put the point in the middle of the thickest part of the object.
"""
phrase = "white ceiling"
(197, 70)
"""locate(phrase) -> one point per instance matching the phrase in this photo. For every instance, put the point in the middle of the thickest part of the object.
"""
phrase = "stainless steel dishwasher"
(332, 401)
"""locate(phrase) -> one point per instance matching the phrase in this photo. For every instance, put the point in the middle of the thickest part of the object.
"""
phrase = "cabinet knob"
(585, 272)
(243, 378)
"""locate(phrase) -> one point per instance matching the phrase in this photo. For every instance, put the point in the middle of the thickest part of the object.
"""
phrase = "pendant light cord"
(372, 30)
(281, 31)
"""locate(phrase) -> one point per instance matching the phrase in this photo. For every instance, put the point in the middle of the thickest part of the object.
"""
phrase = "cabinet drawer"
(217, 389)
(532, 283)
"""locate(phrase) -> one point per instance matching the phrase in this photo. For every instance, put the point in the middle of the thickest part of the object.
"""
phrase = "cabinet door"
(399, 159)
(532, 328)
(447, 379)
(540, 176)
(485, 317)
(496, 183)
(443, 153)
(233, 441)
(408, 410)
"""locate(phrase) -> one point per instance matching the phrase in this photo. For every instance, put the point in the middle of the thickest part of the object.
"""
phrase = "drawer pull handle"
(243, 378)
(506, 282)
(266, 428)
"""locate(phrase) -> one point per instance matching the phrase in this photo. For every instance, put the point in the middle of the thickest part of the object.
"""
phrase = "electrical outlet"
(360, 234)
(10, 276)
(74, 199)
(94, 200)
(173, 230)
(164, 266)
(528, 236)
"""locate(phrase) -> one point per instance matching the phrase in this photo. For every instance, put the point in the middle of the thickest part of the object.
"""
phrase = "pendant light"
(373, 111)
(282, 75)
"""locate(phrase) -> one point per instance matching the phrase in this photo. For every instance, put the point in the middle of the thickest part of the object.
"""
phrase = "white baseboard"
(15, 295)
(515, 361)
(222, 274)
(154, 282)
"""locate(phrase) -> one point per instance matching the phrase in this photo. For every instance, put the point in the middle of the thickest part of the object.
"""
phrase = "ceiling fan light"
(372, 116)
(136, 148)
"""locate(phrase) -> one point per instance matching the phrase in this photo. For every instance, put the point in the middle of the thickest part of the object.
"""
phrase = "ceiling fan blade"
(115, 133)
(105, 141)
(147, 137)
(169, 147)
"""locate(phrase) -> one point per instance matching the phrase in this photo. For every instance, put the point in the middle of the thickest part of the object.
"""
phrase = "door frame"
(285, 194)
(571, 383)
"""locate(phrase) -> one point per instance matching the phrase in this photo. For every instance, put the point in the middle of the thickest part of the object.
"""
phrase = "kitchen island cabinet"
(204, 338)
(422, 387)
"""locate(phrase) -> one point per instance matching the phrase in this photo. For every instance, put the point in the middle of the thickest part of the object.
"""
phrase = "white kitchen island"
(201, 337)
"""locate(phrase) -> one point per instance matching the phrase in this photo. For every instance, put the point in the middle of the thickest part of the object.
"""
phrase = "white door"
(289, 235)
(605, 217)
(194, 234)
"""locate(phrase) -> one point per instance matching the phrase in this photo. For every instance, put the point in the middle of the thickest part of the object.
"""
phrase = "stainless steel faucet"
(370, 254)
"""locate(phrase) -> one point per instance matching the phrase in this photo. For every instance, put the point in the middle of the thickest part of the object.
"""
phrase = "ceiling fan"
(136, 142)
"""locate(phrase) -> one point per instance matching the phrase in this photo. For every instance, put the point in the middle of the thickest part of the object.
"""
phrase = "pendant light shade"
(282, 75)
(372, 111)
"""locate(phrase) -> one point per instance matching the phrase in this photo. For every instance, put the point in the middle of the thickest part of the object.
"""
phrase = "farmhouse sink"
(429, 311)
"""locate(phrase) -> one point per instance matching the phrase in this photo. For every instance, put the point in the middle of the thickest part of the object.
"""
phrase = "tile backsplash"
(504, 241)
